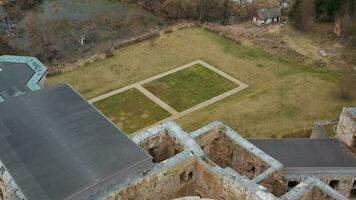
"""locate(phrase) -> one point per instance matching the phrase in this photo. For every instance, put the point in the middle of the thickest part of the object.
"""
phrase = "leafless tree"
(81, 32)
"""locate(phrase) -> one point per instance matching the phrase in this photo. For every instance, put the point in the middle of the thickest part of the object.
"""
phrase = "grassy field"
(285, 96)
(189, 87)
(131, 110)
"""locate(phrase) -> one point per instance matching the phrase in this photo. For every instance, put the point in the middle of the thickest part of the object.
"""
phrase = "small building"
(267, 16)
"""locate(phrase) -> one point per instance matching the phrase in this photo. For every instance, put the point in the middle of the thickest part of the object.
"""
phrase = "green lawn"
(131, 110)
(285, 95)
(189, 87)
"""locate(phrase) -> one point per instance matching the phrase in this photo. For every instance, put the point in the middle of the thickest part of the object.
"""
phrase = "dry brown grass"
(285, 96)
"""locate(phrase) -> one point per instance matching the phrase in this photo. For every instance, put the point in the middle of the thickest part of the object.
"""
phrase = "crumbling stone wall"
(211, 185)
(224, 152)
(5, 191)
(346, 130)
(275, 183)
(342, 184)
(315, 193)
(161, 146)
(169, 183)
(188, 178)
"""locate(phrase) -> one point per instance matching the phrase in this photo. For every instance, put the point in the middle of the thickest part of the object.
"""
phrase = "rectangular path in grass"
(189, 87)
(131, 110)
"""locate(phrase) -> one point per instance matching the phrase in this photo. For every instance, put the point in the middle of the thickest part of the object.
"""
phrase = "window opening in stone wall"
(333, 184)
(185, 177)
(353, 190)
(292, 184)
(190, 176)
(151, 151)
(2, 170)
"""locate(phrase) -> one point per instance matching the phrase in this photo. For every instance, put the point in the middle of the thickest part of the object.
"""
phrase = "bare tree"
(81, 32)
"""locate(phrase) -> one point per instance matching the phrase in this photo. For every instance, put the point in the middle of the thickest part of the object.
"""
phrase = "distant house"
(267, 16)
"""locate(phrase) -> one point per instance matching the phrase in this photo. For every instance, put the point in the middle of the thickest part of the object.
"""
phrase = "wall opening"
(353, 190)
(292, 184)
(334, 184)
(161, 146)
(186, 177)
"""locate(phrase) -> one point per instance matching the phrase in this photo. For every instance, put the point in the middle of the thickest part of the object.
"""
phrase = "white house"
(267, 16)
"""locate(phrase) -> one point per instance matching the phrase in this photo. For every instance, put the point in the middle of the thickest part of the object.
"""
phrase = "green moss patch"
(189, 87)
(131, 110)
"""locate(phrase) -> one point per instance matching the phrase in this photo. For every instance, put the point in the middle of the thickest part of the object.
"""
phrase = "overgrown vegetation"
(64, 31)
(221, 11)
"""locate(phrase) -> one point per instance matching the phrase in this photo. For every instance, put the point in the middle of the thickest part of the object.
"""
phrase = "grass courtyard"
(131, 110)
(285, 96)
(189, 87)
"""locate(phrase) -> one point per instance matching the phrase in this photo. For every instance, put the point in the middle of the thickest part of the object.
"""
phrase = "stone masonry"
(346, 130)
(213, 162)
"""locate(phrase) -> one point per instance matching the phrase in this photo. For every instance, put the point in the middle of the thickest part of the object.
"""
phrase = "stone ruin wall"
(165, 184)
(5, 190)
(315, 193)
(161, 146)
(222, 151)
(275, 183)
(175, 181)
(184, 176)
(211, 185)
(346, 130)
(344, 185)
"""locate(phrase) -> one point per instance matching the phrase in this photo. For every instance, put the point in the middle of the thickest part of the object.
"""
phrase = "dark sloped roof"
(308, 153)
(14, 74)
(56, 145)
(268, 13)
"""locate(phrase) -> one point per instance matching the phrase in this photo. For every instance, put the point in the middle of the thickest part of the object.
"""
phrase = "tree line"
(221, 11)
(305, 12)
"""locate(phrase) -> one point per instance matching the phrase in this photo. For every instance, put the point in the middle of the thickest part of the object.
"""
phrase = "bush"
(109, 53)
